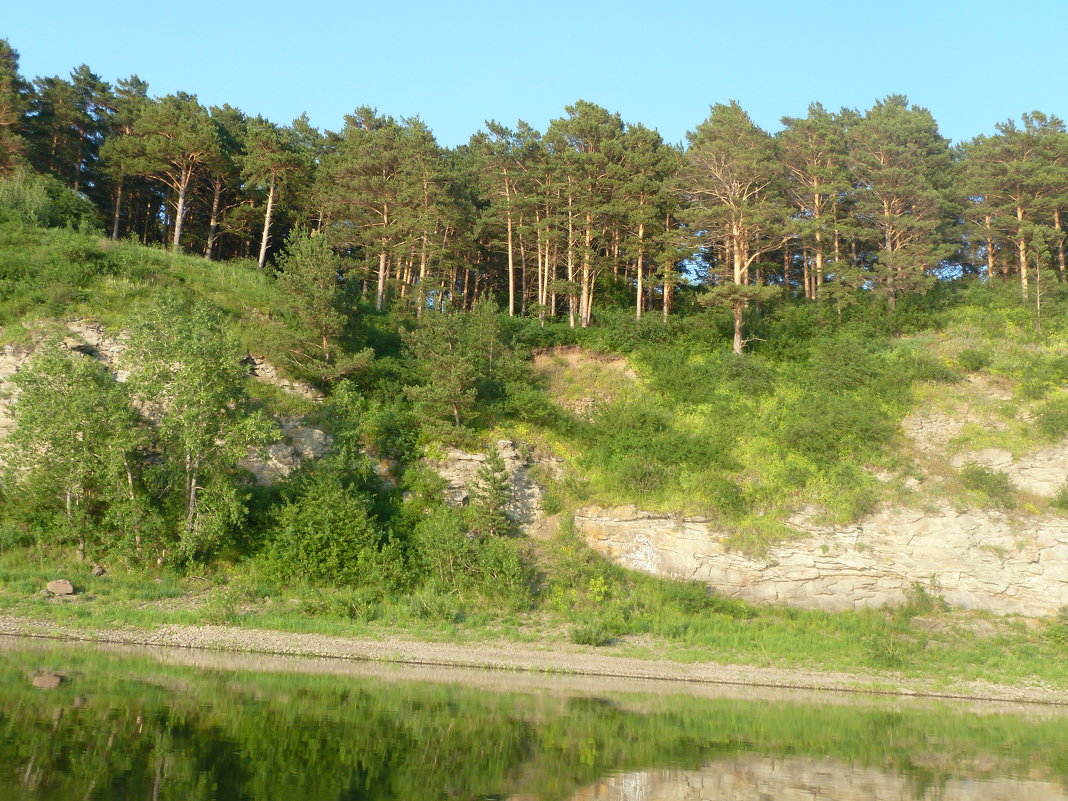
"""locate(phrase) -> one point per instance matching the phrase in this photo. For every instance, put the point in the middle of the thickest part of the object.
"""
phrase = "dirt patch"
(580, 380)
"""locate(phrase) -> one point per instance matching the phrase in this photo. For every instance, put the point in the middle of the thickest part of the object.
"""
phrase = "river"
(80, 721)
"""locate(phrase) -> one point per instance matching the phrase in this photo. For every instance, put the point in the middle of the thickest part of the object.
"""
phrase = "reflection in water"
(753, 777)
(79, 723)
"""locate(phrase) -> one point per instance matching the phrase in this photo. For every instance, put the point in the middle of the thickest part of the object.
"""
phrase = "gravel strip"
(551, 658)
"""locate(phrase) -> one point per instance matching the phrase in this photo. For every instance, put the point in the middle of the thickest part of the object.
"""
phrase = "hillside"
(953, 400)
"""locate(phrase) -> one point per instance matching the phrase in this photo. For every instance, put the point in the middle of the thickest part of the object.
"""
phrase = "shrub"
(597, 633)
(992, 484)
(41, 200)
(973, 359)
(1060, 500)
(326, 533)
(1053, 417)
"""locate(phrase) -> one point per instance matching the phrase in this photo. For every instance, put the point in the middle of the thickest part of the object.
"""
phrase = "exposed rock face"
(460, 470)
(99, 345)
(753, 777)
(975, 559)
(1043, 473)
(90, 338)
(266, 372)
(277, 460)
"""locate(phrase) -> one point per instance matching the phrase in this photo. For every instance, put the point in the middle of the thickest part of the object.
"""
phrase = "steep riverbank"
(543, 657)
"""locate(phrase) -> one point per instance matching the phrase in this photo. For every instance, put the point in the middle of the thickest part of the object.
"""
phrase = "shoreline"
(549, 661)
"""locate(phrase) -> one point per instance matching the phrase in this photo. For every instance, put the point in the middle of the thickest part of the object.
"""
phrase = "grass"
(588, 602)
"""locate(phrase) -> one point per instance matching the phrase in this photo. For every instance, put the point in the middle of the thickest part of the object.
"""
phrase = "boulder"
(60, 587)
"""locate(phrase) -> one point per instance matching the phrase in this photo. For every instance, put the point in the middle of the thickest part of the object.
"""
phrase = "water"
(85, 722)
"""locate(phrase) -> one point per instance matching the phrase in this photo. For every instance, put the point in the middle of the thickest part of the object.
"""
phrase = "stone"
(459, 469)
(981, 559)
(98, 570)
(278, 460)
(46, 680)
(60, 587)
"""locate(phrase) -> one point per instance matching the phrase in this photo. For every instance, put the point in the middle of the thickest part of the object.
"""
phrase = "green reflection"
(128, 727)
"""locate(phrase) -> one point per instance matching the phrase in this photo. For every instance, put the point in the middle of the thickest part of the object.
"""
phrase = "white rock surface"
(460, 469)
(756, 777)
(980, 559)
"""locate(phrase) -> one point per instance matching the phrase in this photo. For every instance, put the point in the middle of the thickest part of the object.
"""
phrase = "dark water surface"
(86, 722)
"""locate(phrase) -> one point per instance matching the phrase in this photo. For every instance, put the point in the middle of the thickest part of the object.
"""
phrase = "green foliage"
(992, 485)
(40, 200)
(461, 364)
(974, 359)
(1060, 500)
(325, 532)
(72, 451)
(1043, 374)
(310, 279)
(597, 634)
(491, 496)
(186, 367)
(454, 560)
(1052, 417)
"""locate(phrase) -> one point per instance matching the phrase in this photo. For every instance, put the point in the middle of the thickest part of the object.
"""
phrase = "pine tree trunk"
(511, 254)
(1021, 248)
(118, 211)
(179, 211)
(586, 297)
(738, 308)
(213, 222)
(266, 237)
(380, 294)
(570, 263)
(1060, 243)
(991, 265)
(638, 270)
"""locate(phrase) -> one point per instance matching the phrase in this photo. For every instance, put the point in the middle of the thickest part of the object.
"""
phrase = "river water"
(90, 722)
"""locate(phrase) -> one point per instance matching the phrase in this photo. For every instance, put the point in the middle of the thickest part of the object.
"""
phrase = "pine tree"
(491, 496)
(731, 181)
(271, 161)
(903, 170)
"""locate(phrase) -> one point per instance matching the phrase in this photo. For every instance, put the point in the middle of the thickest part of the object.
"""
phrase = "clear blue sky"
(455, 64)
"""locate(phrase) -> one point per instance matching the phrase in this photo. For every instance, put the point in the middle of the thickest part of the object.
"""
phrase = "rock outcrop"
(268, 465)
(975, 559)
(263, 370)
(755, 777)
(1043, 473)
(277, 460)
(460, 469)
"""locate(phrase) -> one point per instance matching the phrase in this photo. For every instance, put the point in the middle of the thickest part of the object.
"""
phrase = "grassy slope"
(747, 440)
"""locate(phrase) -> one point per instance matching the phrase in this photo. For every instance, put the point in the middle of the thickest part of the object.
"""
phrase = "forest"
(563, 223)
(782, 302)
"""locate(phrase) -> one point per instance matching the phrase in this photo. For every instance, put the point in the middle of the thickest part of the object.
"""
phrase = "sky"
(973, 63)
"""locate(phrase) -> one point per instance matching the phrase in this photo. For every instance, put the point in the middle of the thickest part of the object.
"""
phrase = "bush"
(450, 559)
(1053, 417)
(827, 427)
(326, 533)
(992, 484)
(1060, 500)
(1042, 375)
(597, 634)
(973, 359)
(41, 200)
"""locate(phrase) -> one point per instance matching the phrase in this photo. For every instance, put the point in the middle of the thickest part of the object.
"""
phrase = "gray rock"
(460, 469)
(976, 560)
(60, 587)
(46, 680)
